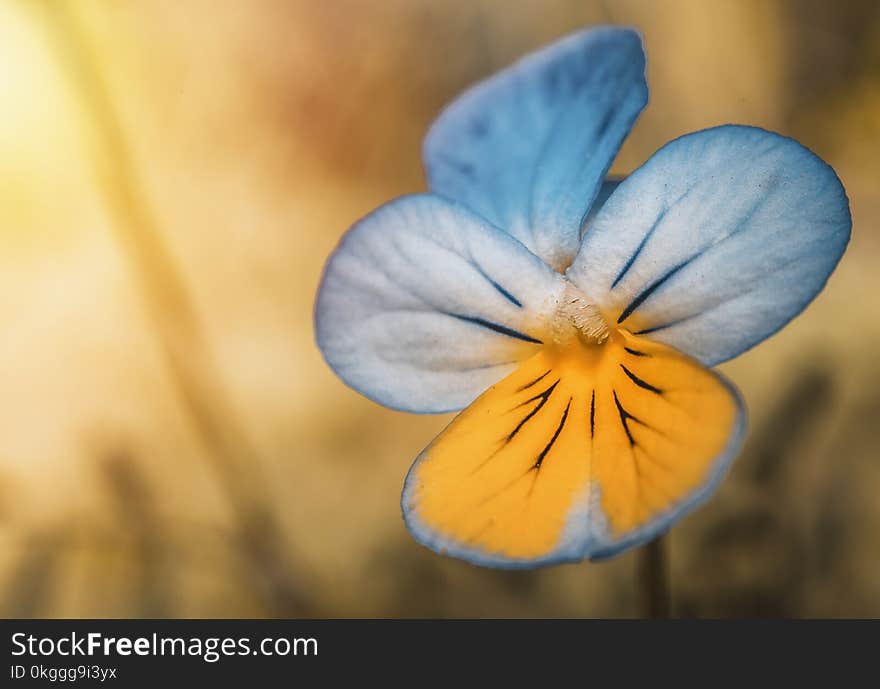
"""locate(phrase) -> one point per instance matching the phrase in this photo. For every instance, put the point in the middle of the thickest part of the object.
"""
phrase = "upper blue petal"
(529, 147)
(717, 241)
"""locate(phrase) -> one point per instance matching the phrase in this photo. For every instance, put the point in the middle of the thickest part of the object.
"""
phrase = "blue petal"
(528, 148)
(716, 242)
(605, 191)
(424, 305)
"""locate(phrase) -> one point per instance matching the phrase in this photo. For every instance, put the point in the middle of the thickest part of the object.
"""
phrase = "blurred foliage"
(172, 178)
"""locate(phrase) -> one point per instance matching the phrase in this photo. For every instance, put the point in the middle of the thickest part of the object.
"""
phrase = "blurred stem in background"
(190, 361)
(652, 577)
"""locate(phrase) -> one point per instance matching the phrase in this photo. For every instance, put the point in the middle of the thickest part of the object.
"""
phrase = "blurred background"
(173, 176)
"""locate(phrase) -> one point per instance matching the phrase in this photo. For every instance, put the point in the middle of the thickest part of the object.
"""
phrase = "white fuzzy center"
(577, 315)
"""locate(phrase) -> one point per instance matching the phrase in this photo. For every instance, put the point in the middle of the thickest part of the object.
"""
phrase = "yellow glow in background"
(172, 178)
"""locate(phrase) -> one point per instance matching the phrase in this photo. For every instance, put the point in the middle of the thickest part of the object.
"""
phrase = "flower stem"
(653, 579)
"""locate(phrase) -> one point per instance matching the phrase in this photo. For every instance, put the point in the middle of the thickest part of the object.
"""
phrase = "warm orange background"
(172, 177)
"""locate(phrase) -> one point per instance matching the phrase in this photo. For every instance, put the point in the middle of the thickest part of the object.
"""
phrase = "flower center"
(577, 316)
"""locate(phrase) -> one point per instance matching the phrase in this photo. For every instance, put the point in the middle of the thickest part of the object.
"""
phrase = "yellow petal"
(585, 450)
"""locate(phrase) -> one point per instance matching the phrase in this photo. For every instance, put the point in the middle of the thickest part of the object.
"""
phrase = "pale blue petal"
(528, 148)
(716, 242)
(424, 305)
(605, 191)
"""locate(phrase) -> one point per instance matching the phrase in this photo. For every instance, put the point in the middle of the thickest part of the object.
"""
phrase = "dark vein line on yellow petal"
(655, 461)
(593, 415)
(534, 471)
(692, 417)
(644, 424)
(635, 464)
(625, 416)
(536, 380)
(538, 396)
(636, 352)
(642, 481)
(549, 446)
(668, 499)
(630, 417)
(474, 538)
(638, 381)
(545, 396)
(502, 490)
(488, 459)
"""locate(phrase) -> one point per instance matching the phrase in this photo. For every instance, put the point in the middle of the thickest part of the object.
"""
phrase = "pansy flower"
(574, 320)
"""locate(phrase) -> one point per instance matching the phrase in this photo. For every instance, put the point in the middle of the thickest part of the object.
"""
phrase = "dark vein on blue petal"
(463, 168)
(654, 329)
(547, 449)
(701, 252)
(740, 225)
(507, 295)
(481, 367)
(649, 290)
(638, 381)
(604, 123)
(760, 201)
(473, 264)
(501, 290)
(498, 328)
(758, 284)
(638, 251)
